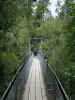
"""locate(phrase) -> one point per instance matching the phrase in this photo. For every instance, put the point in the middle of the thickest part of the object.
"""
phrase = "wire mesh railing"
(54, 88)
(16, 86)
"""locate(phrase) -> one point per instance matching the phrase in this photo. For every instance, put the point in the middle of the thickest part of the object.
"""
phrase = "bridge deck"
(35, 87)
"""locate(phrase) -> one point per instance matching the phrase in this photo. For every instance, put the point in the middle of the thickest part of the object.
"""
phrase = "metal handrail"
(20, 69)
(59, 83)
(14, 79)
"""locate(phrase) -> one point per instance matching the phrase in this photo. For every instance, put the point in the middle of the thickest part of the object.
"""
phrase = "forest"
(22, 19)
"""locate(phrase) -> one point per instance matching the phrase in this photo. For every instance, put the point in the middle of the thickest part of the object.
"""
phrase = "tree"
(41, 8)
(68, 13)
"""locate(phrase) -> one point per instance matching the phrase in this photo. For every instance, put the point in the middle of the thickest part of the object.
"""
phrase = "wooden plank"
(32, 83)
(35, 87)
(38, 85)
(43, 89)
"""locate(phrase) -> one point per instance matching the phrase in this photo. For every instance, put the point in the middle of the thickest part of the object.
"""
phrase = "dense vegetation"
(60, 45)
(14, 34)
(19, 21)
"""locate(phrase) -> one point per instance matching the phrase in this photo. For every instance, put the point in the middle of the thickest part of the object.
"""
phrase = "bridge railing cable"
(16, 86)
(54, 87)
(59, 85)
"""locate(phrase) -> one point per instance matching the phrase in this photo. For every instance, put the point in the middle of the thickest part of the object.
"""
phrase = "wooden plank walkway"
(35, 87)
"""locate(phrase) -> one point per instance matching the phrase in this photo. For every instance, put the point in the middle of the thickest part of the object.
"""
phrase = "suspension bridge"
(35, 80)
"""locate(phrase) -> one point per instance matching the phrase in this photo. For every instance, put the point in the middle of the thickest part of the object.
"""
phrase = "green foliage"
(60, 49)
(7, 14)
(18, 23)
(41, 9)
(14, 34)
